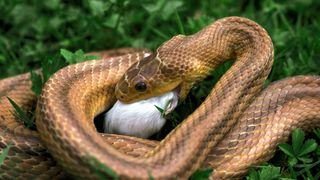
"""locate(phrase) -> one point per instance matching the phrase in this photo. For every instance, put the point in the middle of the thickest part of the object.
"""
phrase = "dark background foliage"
(32, 31)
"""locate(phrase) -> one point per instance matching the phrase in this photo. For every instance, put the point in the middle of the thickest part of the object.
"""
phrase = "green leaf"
(292, 161)
(97, 7)
(287, 149)
(269, 172)
(21, 115)
(92, 57)
(309, 146)
(170, 7)
(159, 109)
(153, 8)
(4, 153)
(80, 56)
(36, 83)
(68, 55)
(22, 13)
(305, 159)
(52, 4)
(79, 53)
(112, 21)
(253, 175)
(50, 66)
(297, 140)
(201, 174)
(162, 111)
(317, 132)
(76, 57)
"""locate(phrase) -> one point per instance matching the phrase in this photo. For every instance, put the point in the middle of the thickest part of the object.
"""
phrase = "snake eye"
(140, 86)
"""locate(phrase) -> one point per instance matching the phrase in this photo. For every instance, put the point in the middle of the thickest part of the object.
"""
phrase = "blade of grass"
(36, 83)
(180, 25)
(21, 115)
(4, 153)
(101, 167)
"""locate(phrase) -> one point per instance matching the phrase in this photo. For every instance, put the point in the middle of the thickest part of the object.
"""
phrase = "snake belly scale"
(237, 126)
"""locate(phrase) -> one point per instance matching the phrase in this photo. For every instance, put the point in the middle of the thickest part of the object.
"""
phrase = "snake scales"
(72, 97)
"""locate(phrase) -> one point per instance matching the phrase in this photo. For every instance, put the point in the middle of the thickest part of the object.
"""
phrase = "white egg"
(140, 119)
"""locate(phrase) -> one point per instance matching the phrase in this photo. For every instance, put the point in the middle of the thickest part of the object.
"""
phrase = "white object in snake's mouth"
(140, 119)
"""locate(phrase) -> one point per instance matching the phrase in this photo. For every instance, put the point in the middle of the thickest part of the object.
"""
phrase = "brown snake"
(237, 126)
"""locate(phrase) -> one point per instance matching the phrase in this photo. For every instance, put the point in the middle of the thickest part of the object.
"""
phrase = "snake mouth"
(173, 103)
(177, 90)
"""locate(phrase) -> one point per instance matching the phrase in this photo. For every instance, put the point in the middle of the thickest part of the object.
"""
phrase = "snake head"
(146, 78)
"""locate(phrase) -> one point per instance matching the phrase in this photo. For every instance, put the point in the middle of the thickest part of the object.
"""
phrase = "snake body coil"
(237, 126)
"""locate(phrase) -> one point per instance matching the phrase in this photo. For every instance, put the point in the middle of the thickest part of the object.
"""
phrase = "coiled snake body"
(237, 126)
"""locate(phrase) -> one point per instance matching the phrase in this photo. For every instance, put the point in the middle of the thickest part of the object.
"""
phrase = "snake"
(239, 124)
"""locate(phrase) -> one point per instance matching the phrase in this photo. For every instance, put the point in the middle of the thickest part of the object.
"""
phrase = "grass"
(36, 34)
(299, 159)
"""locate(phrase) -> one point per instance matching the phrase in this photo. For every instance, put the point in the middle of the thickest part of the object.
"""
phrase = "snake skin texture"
(237, 126)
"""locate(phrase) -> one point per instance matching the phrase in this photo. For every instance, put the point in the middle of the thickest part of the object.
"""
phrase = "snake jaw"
(183, 89)
(177, 90)
(173, 103)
